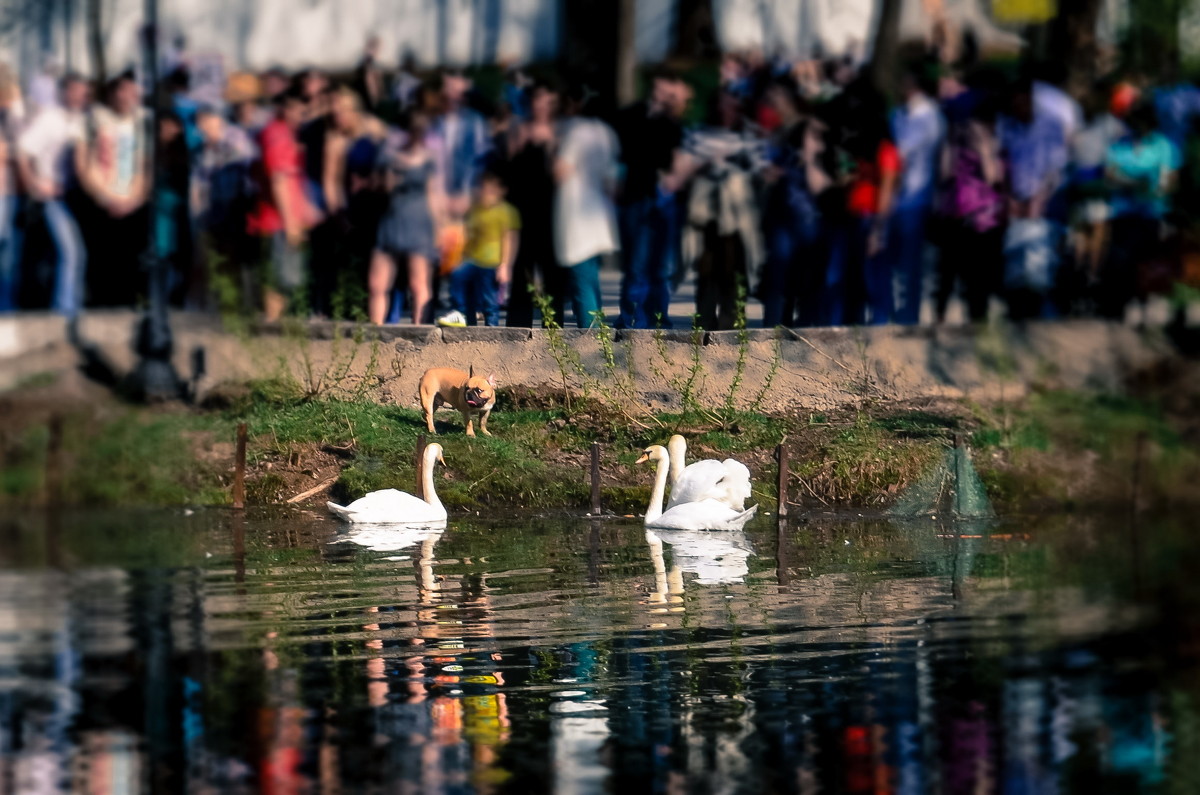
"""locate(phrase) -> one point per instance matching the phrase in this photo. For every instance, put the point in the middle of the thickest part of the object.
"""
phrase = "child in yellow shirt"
(493, 234)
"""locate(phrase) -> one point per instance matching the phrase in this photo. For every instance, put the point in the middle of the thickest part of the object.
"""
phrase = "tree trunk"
(95, 34)
(1074, 36)
(1152, 42)
(626, 52)
(886, 49)
(695, 35)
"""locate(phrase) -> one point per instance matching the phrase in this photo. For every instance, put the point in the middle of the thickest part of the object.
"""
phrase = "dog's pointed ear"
(492, 380)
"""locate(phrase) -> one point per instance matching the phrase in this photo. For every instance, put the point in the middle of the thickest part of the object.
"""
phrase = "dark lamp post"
(154, 379)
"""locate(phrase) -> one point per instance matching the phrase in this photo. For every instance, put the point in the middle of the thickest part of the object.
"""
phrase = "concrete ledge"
(571, 334)
(667, 334)
(818, 367)
(408, 335)
(485, 334)
(24, 333)
(735, 337)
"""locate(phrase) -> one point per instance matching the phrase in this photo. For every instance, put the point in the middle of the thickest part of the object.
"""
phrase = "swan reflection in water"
(715, 558)
(433, 666)
(389, 537)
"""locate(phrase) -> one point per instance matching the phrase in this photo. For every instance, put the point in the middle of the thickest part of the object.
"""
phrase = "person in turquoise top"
(1141, 167)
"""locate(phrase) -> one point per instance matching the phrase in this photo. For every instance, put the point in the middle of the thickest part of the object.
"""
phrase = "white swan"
(389, 506)
(702, 515)
(725, 481)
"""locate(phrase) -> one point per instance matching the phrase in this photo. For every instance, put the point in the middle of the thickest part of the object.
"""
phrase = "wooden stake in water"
(782, 457)
(595, 478)
(420, 492)
(782, 573)
(239, 469)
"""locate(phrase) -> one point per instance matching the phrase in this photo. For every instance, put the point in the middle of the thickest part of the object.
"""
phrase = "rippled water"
(208, 653)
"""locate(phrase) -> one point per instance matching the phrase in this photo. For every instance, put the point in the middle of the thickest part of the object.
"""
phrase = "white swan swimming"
(703, 515)
(725, 481)
(389, 506)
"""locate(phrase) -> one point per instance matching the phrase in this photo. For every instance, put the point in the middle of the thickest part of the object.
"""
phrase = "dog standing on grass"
(464, 391)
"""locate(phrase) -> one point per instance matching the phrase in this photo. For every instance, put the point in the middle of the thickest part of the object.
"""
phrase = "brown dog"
(463, 391)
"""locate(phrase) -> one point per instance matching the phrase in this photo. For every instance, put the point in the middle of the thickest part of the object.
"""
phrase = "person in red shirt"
(284, 213)
(859, 275)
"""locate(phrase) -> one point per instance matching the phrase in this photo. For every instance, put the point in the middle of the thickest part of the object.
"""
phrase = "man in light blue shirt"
(1035, 157)
(464, 143)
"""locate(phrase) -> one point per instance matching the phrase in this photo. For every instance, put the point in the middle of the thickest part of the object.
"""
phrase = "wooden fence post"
(781, 456)
(595, 478)
(239, 469)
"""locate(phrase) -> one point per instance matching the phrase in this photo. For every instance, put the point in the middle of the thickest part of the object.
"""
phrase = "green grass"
(135, 460)
(1105, 424)
(539, 456)
(1069, 446)
(865, 462)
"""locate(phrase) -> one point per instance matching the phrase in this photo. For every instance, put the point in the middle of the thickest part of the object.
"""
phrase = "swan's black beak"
(645, 457)
(441, 460)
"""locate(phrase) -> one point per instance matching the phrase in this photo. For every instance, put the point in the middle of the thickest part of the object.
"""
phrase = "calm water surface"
(174, 652)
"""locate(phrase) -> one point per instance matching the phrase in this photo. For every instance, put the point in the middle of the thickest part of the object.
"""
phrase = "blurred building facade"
(329, 34)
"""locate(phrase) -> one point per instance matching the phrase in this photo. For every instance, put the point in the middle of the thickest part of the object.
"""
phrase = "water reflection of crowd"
(416, 195)
(431, 676)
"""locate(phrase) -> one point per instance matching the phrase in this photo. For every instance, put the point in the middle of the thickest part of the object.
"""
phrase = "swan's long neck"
(677, 449)
(655, 509)
(429, 494)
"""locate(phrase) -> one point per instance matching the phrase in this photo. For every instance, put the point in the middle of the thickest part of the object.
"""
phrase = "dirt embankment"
(862, 409)
(777, 372)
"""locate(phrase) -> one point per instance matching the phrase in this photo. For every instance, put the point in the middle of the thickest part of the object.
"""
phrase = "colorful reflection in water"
(157, 652)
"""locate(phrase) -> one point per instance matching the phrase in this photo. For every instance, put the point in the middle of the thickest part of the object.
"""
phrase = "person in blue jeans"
(46, 153)
(919, 129)
(493, 235)
(651, 135)
(792, 220)
(859, 274)
(650, 235)
(10, 251)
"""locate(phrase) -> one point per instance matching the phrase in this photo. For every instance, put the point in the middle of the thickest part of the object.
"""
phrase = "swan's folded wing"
(736, 484)
(699, 481)
(369, 500)
(703, 515)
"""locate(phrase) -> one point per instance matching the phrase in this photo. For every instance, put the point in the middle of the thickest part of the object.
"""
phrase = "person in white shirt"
(115, 172)
(47, 152)
(44, 84)
(585, 217)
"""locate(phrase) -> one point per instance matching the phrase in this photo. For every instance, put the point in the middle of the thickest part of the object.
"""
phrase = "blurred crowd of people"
(410, 195)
